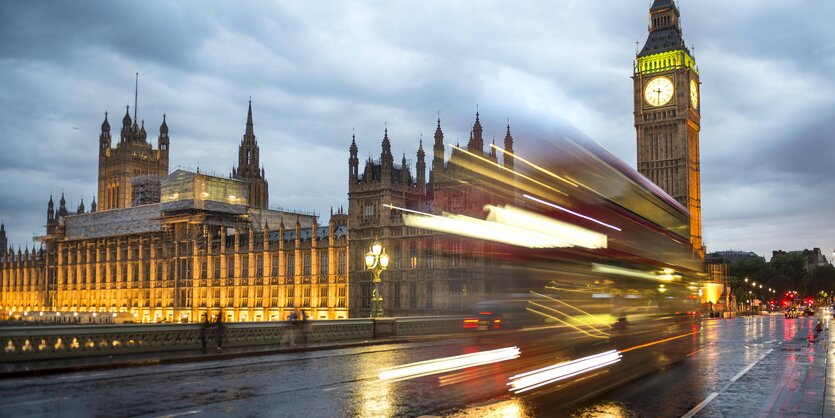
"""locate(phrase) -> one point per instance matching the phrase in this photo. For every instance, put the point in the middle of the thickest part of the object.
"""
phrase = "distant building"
(731, 256)
(813, 258)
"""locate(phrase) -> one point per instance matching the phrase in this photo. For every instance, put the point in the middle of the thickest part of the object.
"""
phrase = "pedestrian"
(305, 327)
(203, 328)
(818, 328)
(219, 325)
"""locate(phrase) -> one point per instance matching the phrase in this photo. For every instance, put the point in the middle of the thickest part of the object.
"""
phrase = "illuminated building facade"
(667, 114)
(429, 273)
(200, 249)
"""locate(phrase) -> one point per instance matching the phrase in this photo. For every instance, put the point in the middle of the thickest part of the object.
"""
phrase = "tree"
(822, 278)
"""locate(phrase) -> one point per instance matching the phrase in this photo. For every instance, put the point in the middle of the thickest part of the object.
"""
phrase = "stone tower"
(249, 169)
(133, 156)
(667, 114)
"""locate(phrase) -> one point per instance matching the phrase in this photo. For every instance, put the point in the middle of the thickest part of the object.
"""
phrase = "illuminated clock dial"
(694, 94)
(659, 91)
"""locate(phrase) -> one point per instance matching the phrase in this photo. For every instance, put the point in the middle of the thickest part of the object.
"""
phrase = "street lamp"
(376, 260)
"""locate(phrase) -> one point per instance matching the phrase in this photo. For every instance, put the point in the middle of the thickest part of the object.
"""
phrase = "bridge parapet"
(69, 341)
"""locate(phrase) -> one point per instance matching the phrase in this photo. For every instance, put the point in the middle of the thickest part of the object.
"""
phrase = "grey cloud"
(317, 73)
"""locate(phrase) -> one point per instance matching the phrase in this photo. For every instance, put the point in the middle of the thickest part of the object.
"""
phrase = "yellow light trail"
(507, 169)
(576, 318)
(659, 341)
(542, 169)
(565, 323)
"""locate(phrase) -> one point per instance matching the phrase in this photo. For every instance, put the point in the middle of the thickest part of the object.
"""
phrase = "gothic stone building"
(668, 114)
(429, 273)
(204, 247)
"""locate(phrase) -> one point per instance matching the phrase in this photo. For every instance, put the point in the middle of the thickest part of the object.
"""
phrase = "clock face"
(694, 94)
(659, 91)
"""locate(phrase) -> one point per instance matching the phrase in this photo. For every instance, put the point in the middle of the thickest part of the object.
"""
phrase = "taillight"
(497, 323)
(470, 323)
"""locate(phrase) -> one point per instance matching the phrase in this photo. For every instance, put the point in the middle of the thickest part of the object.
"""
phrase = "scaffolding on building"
(145, 190)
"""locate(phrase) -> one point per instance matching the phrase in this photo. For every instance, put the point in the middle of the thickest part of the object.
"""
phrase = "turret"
(353, 160)
(62, 208)
(163, 142)
(386, 158)
(438, 149)
(93, 205)
(421, 169)
(507, 157)
(126, 125)
(50, 211)
(105, 141)
(476, 145)
(3, 241)
(80, 209)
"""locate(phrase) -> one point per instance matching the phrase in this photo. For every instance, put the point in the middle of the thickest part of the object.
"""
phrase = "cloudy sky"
(318, 70)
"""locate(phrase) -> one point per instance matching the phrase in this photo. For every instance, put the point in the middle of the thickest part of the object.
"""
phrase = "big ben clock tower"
(667, 114)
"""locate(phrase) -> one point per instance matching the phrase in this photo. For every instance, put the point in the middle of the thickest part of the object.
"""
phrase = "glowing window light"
(448, 364)
(555, 206)
(540, 377)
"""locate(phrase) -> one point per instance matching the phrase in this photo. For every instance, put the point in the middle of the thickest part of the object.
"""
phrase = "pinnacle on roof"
(126, 120)
(105, 126)
(249, 130)
(353, 148)
(163, 128)
(386, 142)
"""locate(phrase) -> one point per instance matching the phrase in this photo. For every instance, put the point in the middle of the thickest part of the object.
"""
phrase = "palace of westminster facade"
(175, 247)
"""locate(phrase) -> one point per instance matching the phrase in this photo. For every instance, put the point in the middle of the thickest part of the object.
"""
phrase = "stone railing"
(52, 342)
(425, 325)
(49, 342)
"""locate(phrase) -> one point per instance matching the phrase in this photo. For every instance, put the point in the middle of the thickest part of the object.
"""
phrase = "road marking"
(746, 369)
(701, 405)
(196, 411)
(38, 401)
(713, 395)
(329, 389)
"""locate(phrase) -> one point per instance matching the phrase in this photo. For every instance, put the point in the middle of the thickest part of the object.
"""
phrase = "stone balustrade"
(67, 341)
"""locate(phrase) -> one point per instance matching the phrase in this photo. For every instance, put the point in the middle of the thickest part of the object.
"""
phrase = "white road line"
(701, 405)
(37, 401)
(713, 395)
(746, 369)
(196, 411)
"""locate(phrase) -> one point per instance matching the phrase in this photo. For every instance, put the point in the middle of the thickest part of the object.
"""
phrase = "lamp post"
(376, 260)
(746, 293)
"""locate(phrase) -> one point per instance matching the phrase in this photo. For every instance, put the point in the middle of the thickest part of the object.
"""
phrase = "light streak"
(576, 318)
(555, 206)
(568, 324)
(572, 307)
(540, 377)
(448, 364)
(649, 344)
(544, 170)
(508, 225)
(507, 169)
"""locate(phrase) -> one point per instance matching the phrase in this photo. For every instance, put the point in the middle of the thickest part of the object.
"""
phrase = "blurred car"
(496, 315)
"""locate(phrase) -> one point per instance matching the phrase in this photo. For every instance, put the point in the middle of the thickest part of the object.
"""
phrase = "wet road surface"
(757, 366)
(762, 366)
